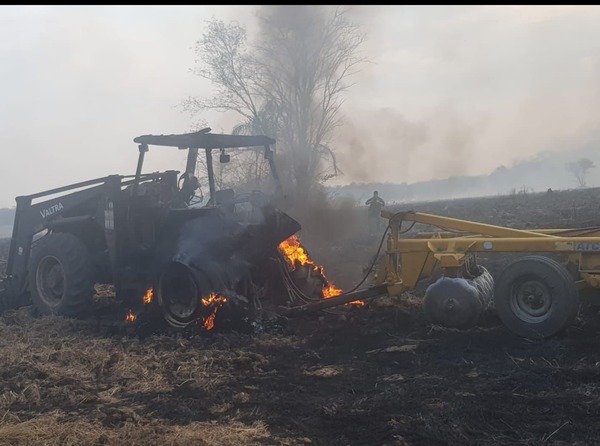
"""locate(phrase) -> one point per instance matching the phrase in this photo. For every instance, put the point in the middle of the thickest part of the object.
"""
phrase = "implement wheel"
(61, 277)
(536, 297)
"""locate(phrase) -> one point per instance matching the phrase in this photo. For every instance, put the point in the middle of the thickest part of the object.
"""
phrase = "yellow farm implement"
(535, 296)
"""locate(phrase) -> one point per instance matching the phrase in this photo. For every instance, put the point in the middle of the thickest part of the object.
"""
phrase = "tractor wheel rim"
(179, 295)
(531, 301)
(183, 310)
(50, 280)
(182, 307)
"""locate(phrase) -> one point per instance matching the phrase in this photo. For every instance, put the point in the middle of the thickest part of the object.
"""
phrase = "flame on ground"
(215, 301)
(148, 296)
(295, 252)
(130, 316)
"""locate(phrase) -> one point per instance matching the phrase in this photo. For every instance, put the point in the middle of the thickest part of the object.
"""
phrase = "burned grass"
(63, 383)
(373, 375)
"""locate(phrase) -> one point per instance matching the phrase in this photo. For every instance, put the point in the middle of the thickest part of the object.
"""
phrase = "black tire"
(536, 297)
(61, 279)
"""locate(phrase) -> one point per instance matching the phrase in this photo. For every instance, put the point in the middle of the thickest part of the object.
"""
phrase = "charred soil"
(372, 375)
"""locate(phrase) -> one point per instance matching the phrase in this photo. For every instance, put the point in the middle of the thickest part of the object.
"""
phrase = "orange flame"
(149, 296)
(130, 316)
(295, 252)
(215, 301)
(331, 291)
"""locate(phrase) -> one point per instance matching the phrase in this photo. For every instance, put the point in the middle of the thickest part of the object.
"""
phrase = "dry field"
(375, 375)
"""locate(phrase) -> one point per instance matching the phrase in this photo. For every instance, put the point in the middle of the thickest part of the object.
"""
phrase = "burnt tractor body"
(142, 232)
(171, 259)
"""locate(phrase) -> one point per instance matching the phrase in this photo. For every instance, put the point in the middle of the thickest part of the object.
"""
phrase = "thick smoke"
(319, 216)
(390, 147)
(462, 91)
(518, 80)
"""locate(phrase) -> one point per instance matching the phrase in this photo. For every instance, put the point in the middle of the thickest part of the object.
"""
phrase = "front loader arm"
(31, 219)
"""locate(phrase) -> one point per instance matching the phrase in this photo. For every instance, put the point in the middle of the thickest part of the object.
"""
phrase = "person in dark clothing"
(375, 204)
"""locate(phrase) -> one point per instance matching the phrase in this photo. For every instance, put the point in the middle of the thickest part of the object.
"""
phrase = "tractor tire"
(536, 297)
(61, 279)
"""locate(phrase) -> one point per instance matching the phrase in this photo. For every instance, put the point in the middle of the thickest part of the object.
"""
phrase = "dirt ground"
(374, 375)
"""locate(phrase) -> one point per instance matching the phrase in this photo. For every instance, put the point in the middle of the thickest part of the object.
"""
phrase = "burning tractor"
(173, 260)
(164, 253)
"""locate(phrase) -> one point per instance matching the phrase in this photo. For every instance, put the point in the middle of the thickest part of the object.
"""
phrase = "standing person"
(375, 204)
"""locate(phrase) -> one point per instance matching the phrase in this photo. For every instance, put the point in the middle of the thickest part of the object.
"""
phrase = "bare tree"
(307, 54)
(225, 60)
(580, 170)
(289, 85)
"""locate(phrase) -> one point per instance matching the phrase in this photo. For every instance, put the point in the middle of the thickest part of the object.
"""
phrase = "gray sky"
(449, 90)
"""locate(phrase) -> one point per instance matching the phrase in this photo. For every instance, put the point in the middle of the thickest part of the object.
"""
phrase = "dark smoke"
(217, 246)
(387, 143)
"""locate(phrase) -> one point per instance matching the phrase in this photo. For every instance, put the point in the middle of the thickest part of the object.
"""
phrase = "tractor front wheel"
(60, 275)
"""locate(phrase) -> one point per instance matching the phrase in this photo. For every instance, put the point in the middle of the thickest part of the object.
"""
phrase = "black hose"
(300, 294)
(372, 264)
(304, 297)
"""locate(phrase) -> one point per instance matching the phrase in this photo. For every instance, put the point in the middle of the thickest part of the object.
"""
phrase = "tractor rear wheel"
(536, 297)
(61, 279)
(179, 294)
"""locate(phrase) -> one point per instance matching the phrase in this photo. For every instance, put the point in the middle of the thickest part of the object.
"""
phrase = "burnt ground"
(377, 375)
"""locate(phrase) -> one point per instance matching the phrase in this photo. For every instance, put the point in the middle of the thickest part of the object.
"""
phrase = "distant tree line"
(555, 170)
